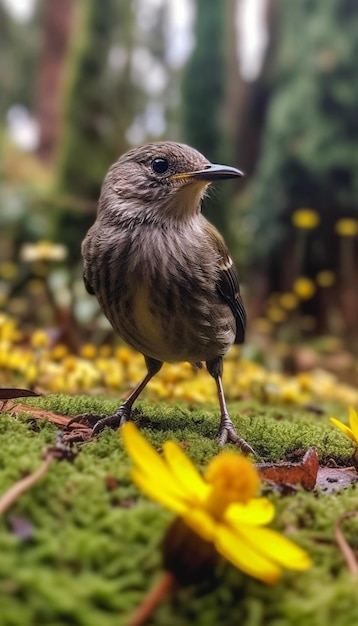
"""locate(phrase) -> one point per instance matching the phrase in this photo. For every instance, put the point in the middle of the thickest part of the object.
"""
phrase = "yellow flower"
(40, 339)
(43, 251)
(347, 227)
(304, 288)
(221, 507)
(289, 301)
(325, 278)
(262, 325)
(276, 314)
(351, 432)
(305, 219)
(8, 270)
(88, 351)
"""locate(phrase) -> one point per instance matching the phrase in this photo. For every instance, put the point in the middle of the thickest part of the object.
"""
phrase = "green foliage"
(92, 551)
(309, 155)
(88, 151)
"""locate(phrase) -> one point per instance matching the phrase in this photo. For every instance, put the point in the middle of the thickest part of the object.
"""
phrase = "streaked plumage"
(161, 272)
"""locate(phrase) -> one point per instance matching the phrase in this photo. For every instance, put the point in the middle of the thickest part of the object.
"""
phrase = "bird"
(161, 271)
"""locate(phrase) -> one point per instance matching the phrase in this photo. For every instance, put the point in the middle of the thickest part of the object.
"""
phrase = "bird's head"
(159, 182)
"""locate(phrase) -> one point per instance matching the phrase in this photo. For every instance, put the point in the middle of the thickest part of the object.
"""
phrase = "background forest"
(269, 86)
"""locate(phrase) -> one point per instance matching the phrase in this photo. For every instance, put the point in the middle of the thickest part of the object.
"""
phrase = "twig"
(151, 601)
(23, 485)
(344, 546)
(59, 451)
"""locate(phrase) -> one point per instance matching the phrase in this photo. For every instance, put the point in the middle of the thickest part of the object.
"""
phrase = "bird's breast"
(168, 324)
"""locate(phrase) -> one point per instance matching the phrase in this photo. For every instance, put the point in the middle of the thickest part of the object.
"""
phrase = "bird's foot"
(86, 419)
(228, 434)
(116, 420)
(98, 421)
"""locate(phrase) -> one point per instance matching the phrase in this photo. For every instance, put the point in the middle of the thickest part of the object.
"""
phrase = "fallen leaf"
(42, 414)
(334, 478)
(111, 482)
(9, 393)
(303, 473)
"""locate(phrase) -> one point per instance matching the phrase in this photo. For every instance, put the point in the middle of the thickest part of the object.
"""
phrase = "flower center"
(232, 478)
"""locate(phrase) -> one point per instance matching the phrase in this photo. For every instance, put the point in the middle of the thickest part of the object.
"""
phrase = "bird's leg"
(227, 432)
(124, 411)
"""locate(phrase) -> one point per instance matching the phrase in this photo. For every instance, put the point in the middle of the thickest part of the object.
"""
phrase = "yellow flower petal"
(156, 491)
(141, 452)
(201, 522)
(345, 429)
(353, 422)
(184, 471)
(254, 513)
(235, 549)
(148, 460)
(276, 547)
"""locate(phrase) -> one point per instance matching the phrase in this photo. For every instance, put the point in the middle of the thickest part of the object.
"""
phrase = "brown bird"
(161, 272)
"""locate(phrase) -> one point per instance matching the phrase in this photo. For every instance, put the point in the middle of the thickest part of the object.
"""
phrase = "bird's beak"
(211, 172)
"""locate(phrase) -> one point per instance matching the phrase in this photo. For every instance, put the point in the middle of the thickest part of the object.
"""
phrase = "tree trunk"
(57, 23)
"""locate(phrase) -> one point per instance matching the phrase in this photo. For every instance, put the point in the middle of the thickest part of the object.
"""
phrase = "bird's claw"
(87, 419)
(116, 420)
(228, 434)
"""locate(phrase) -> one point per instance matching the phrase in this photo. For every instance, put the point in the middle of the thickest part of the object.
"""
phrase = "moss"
(91, 551)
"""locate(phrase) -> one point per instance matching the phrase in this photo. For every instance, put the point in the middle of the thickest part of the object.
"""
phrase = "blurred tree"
(251, 102)
(89, 145)
(309, 155)
(96, 114)
(56, 28)
(20, 43)
(205, 93)
(117, 45)
(204, 82)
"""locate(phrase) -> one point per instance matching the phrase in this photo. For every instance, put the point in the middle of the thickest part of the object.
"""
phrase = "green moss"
(92, 550)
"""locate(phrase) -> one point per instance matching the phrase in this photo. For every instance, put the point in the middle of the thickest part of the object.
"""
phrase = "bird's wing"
(228, 283)
(88, 285)
(229, 289)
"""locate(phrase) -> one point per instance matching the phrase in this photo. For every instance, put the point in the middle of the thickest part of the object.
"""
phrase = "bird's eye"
(159, 166)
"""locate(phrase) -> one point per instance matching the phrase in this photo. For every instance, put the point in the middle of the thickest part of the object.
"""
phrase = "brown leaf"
(43, 414)
(303, 473)
(9, 393)
(111, 482)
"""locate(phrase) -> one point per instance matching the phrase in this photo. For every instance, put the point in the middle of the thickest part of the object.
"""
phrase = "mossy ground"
(91, 550)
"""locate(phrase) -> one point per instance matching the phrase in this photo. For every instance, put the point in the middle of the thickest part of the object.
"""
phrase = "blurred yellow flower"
(304, 288)
(8, 270)
(221, 507)
(88, 351)
(352, 431)
(305, 219)
(347, 227)
(59, 352)
(35, 286)
(262, 325)
(43, 251)
(276, 314)
(288, 301)
(40, 339)
(325, 278)
(105, 351)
